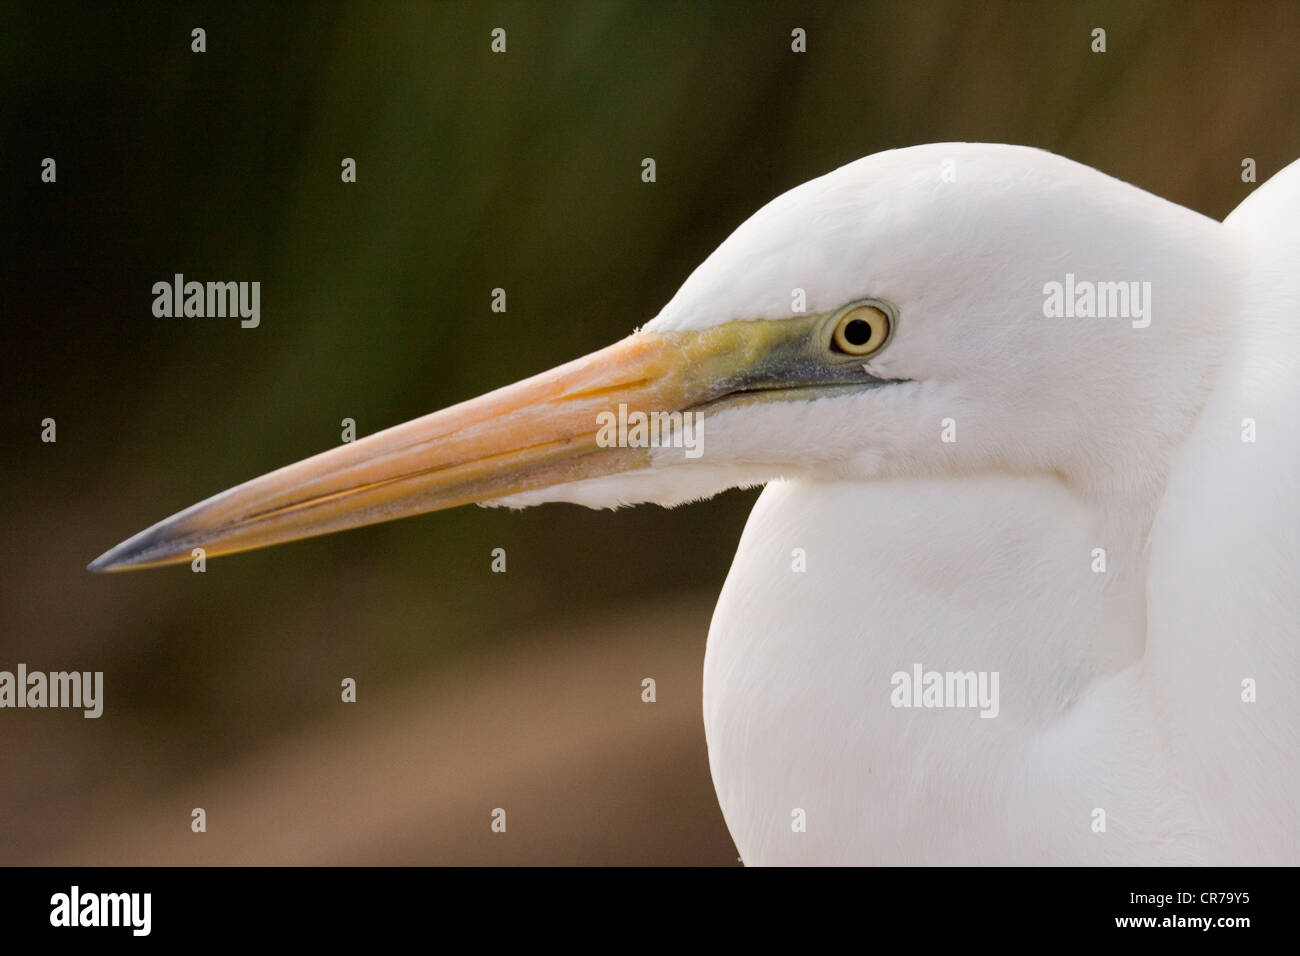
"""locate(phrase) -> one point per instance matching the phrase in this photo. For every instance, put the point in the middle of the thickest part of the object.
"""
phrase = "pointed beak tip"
(135, 552)
(108, 561)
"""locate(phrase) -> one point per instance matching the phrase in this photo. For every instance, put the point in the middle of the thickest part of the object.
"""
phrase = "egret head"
(894, 318)
(967, 249)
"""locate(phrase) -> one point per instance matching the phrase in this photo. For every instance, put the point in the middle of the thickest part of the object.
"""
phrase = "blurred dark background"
(475, 170)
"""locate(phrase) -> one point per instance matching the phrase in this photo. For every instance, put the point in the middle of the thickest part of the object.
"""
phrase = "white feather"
(1121, 691)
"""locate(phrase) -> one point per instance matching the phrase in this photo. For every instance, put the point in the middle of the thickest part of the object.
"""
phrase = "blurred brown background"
(475, 170)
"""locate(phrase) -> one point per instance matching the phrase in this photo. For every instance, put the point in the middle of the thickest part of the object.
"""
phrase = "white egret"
(1021, 587)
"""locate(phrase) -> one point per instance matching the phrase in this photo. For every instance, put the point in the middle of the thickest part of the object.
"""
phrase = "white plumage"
(1121, 691)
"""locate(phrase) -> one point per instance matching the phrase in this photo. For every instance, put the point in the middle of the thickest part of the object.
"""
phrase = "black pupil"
(858, 332)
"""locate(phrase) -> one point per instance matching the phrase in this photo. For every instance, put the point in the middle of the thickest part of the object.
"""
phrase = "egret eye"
(861, 331)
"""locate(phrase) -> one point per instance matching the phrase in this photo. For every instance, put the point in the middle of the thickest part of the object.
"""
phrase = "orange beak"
(533, 434)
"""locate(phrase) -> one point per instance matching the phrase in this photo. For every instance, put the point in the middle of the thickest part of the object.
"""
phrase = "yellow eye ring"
(862, 330)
